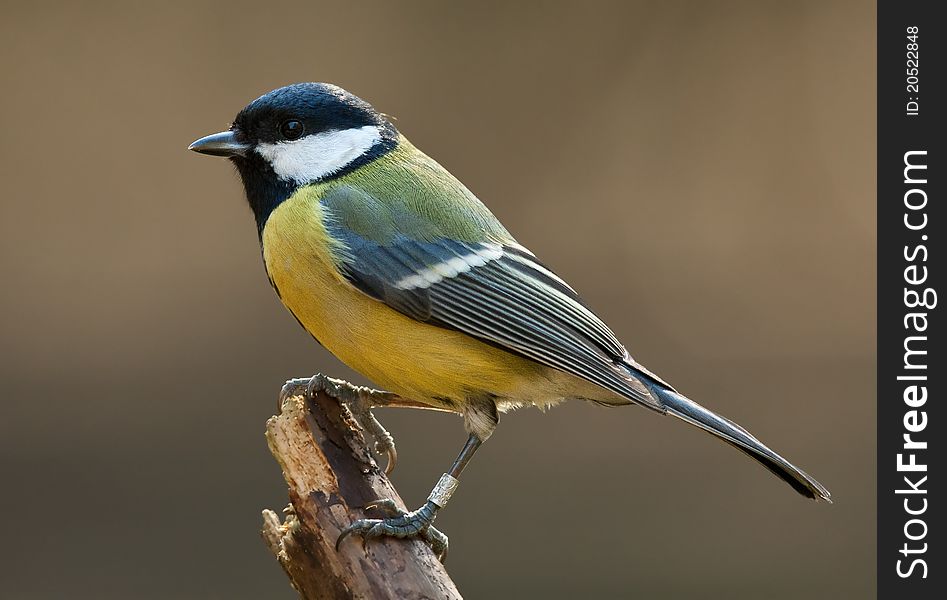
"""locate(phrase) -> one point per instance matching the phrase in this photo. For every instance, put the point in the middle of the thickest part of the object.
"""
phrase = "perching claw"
(400, 524)
(359, 401)
(386, 446)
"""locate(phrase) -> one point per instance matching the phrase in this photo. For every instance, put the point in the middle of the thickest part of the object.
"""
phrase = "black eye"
(291, 130)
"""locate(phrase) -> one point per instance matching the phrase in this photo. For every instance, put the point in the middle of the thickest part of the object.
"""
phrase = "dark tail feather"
(740, 438)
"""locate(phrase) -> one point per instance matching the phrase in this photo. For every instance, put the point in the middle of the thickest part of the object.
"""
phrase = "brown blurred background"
(702, 172)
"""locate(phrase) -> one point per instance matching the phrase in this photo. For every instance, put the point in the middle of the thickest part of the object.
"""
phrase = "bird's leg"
(358, 400)
(417, 522)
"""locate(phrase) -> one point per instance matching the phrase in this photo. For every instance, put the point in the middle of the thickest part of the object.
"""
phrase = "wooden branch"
(331, 474)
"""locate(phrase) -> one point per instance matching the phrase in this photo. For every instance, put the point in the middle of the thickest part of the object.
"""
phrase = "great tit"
(396, 268)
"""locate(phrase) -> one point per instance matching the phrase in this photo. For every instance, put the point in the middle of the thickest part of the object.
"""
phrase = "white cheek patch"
(313, 157)
(453, 267)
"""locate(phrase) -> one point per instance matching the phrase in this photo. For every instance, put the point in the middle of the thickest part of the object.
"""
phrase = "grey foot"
(401, 524)
(359, 401)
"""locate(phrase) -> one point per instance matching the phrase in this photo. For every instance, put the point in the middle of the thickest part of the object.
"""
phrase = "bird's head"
(297, 135)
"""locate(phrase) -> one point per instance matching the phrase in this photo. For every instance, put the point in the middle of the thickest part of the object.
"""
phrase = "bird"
(400, 271)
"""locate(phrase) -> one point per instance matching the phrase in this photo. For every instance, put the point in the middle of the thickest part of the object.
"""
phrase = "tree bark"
(331, 474)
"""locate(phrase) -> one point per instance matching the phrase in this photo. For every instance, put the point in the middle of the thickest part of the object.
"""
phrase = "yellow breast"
(416, 360)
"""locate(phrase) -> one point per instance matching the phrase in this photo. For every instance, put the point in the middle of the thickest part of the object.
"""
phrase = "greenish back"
(406, 192)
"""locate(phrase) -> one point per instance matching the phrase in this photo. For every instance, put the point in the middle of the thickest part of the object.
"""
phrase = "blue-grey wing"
(498, 293)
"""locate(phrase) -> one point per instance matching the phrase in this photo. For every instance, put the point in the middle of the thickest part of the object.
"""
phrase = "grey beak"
(220, 144)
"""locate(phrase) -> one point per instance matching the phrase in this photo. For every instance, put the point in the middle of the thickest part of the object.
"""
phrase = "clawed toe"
(438, 541)
(387, 506)
(292, 387)
(361, 527)
(357, 399)
(400, 524)
(310, 386)
(386, 445)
